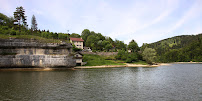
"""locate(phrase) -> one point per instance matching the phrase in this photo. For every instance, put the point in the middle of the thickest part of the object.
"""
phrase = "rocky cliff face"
(30, 53)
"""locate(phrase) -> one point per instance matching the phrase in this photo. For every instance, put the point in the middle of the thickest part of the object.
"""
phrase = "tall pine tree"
(19, 17)
(34, 24)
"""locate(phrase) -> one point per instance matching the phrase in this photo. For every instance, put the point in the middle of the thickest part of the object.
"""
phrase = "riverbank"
(80, 67)
(103, 66)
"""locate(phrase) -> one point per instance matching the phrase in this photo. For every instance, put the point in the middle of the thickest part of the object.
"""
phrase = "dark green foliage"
(124, 55)
(144, 45)
(132, 57)
(3, 18)
(20, 18)
(108, 47)
(133, 46)
(120, 45)
(91, 41)
(127, 57)
(62, 36)
(121, 55)
(74, 35)
(179, 49)
(6, 21)
(85, 33)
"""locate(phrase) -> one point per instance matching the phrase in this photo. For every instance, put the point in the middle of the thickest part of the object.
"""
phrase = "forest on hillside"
(183, 48)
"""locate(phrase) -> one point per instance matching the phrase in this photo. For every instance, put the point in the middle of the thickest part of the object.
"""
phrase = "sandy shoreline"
(135, 65)
(127, 65)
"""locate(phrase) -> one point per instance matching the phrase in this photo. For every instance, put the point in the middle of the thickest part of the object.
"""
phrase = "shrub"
(13, 32)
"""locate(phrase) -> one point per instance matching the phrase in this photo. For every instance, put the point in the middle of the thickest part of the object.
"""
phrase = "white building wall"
(78, 44)
(78, 60)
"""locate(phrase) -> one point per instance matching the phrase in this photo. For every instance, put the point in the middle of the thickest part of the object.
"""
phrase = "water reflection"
(175, 82)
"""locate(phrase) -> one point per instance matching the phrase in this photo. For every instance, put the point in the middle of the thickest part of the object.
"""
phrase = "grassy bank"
(38, 38)
(96, 60)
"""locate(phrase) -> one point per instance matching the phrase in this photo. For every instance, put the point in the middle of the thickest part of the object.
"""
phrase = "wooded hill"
(178, 49)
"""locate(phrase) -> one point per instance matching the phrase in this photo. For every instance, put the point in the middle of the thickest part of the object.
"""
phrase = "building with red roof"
(78, 42)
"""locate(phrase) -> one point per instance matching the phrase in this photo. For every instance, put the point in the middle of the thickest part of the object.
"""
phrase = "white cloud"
(139, 19)
(194, 11)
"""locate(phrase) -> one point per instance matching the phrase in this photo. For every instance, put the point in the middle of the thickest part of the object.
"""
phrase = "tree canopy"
(149, 55)
(133, 46)
(19, 16)
(85, 33)
(75, 35)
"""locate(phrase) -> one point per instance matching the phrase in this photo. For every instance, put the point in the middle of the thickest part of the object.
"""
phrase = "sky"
(145, 21)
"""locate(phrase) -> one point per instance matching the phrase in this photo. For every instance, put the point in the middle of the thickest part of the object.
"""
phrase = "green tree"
(62, 36)
(144, 45)
(172, 55)
(85, 33)
(131, 57)
(74, 35)
(100, 45)
(90, 42)
(122, 55)
(149, 55)
(120, 45)
(133, 46)
(108, 47)
(6, 21)
(34, 24)
(100, 36)
(19, 17)
(92, 33)
(109, 39)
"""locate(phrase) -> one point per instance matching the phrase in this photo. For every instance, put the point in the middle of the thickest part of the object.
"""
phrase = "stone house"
(79, 59)
(78, 42)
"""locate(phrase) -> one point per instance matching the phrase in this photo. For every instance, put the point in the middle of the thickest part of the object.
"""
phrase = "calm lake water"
(177, 82)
